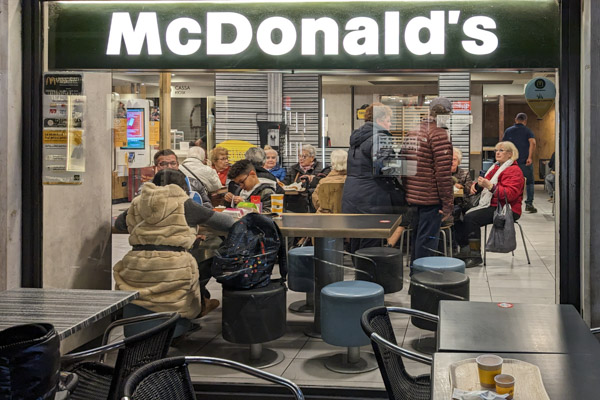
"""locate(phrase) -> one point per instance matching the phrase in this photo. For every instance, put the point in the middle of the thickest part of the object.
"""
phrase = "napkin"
(477, 395)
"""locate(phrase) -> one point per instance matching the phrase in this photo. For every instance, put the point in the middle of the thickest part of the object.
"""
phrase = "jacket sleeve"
(511, 182)
(265, 199)
(315, 197)
(441, 148)
(195, 214)
(214, 183)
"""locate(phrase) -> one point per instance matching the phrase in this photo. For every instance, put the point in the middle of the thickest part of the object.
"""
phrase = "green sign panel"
(365, 35)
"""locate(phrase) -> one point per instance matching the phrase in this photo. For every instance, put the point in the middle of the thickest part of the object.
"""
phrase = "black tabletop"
(565, 376)
(339, 225)
(513, 328)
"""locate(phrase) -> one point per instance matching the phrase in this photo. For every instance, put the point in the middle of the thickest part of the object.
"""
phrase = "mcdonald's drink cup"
(489, 366)
(277, 203)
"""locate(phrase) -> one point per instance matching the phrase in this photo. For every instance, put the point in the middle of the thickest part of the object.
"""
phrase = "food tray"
(528, 379)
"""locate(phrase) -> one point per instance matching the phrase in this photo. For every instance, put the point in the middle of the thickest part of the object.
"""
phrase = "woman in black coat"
(364, 191)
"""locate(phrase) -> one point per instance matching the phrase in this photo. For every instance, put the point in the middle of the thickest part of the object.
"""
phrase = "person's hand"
(445, 216)
(473, 190)
(528, 162)
(481, 181)
(459, 186)
(309, 177)
(237, 199)
(228, 196)
(201, 237)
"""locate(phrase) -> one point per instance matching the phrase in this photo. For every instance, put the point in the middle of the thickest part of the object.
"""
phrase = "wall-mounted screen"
(135, 129)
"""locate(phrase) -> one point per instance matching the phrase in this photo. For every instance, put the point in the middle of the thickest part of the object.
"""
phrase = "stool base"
(257, 356)
(302, 306)
(425, 345)
(339, 362)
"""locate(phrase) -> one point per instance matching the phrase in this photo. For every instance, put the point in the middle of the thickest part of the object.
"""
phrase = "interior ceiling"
(352, 78)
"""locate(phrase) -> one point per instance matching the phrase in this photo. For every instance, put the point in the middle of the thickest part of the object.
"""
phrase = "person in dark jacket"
(429, 178)
(308, 171)
(364, 192)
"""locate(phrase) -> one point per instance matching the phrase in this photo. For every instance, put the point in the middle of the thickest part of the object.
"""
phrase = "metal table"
(565, 376)
(512, 328)
(70, 311)
(329, 231)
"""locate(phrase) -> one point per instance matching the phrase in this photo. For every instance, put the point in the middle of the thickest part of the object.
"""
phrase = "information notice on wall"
(63, 131)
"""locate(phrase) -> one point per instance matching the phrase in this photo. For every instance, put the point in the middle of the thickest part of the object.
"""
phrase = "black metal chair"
(399, 384)
(98, 381)
(169, 379)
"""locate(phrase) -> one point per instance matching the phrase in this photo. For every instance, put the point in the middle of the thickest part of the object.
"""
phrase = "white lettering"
(173, 36)
(288, 36)
(392, 32)
(489, 39)
(436, 27)
(214, 29)
(370, 35)
(145, 29)
(311, 26)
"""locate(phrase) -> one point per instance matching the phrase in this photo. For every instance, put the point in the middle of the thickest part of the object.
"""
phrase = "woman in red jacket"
(503, 180)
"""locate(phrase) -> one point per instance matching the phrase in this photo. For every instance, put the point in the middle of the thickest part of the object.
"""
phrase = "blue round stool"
(342, 306)
(301, 277)
(438, 264)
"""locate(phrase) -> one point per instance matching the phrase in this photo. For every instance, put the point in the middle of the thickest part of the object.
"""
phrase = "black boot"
(474, 257)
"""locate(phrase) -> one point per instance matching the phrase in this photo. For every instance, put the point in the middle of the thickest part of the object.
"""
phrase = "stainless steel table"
(329, 231)
(513, 328)
(565, 376)
(70, 311)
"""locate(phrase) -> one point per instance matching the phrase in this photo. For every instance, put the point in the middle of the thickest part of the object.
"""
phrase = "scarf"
(486, 196)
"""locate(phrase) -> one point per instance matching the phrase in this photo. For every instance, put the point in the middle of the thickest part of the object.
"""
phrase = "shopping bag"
(502, 236)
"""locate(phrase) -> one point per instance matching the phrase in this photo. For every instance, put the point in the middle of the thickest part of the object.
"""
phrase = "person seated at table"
(162, 223)
(462, 182)
(219, 157)
(272, 164)
(549, 179)
(307, 171)
(244, 174)
(326, 199)
(503, 180)
(194, 167)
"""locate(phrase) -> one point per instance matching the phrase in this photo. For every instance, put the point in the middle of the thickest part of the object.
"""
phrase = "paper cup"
(277, 203)
(489, 365)
(505, 384)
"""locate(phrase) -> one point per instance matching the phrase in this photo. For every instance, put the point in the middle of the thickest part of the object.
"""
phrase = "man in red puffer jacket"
(429, 178)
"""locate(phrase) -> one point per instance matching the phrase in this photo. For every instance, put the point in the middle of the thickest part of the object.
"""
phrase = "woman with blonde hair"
(327, 199)
(219, 157)
(504, 181)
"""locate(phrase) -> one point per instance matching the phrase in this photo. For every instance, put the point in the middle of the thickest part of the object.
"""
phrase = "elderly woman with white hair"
(193, 167)
(327, 199)
(308, 171)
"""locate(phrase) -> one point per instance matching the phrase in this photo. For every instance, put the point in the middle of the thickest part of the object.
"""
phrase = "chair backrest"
(169, 379)
(142, 348)
(400, 385)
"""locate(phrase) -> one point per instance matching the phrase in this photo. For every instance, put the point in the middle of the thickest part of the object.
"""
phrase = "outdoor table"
(70, 311)
(512, 328)
(328, 231)
(565, 376)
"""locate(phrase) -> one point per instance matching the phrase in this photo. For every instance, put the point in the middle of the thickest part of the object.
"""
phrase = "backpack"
(246, 258)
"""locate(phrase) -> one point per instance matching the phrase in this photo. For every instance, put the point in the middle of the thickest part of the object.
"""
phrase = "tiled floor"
(505, 278)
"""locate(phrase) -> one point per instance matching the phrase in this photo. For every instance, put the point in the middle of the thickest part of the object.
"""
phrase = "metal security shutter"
(239, 97)
(456, 86)
(301, 99)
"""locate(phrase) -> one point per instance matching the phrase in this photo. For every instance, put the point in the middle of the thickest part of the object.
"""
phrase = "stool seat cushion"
(342, 305)
(388, 270)
(254, 316)
(301, 269)
(438, 264)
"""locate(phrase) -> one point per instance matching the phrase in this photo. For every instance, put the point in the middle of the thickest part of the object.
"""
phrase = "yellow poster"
(154, 133)
(120, 136)
(55, 136)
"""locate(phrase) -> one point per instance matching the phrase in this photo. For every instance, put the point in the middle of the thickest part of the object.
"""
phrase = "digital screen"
(135, 129)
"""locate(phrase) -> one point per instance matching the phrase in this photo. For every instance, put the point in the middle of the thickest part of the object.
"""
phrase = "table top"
(339, 225)
(518, 328)
(69, 310)
(565, 376)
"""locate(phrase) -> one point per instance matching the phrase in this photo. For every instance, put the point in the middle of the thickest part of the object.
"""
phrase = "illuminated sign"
(347, 35)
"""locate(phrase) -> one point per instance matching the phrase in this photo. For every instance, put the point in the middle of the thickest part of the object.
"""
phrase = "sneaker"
(530, 209)
(209, 305)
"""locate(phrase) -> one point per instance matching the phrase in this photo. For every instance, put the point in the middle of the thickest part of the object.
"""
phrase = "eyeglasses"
(222, 158)
(168, 164)
(303, 156)
(500, 150)
(243, 180)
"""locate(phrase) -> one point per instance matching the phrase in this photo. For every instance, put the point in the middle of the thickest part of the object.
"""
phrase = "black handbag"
(502, 235)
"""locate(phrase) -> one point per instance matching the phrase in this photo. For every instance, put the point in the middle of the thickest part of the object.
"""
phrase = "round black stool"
(254, 317)
(384, 269)
(301, 277)
(428, 288)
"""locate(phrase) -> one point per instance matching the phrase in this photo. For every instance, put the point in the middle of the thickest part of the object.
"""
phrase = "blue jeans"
(427, 232)
(528, 174)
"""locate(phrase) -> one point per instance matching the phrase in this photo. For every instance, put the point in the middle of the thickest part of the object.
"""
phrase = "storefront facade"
(286, 37)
